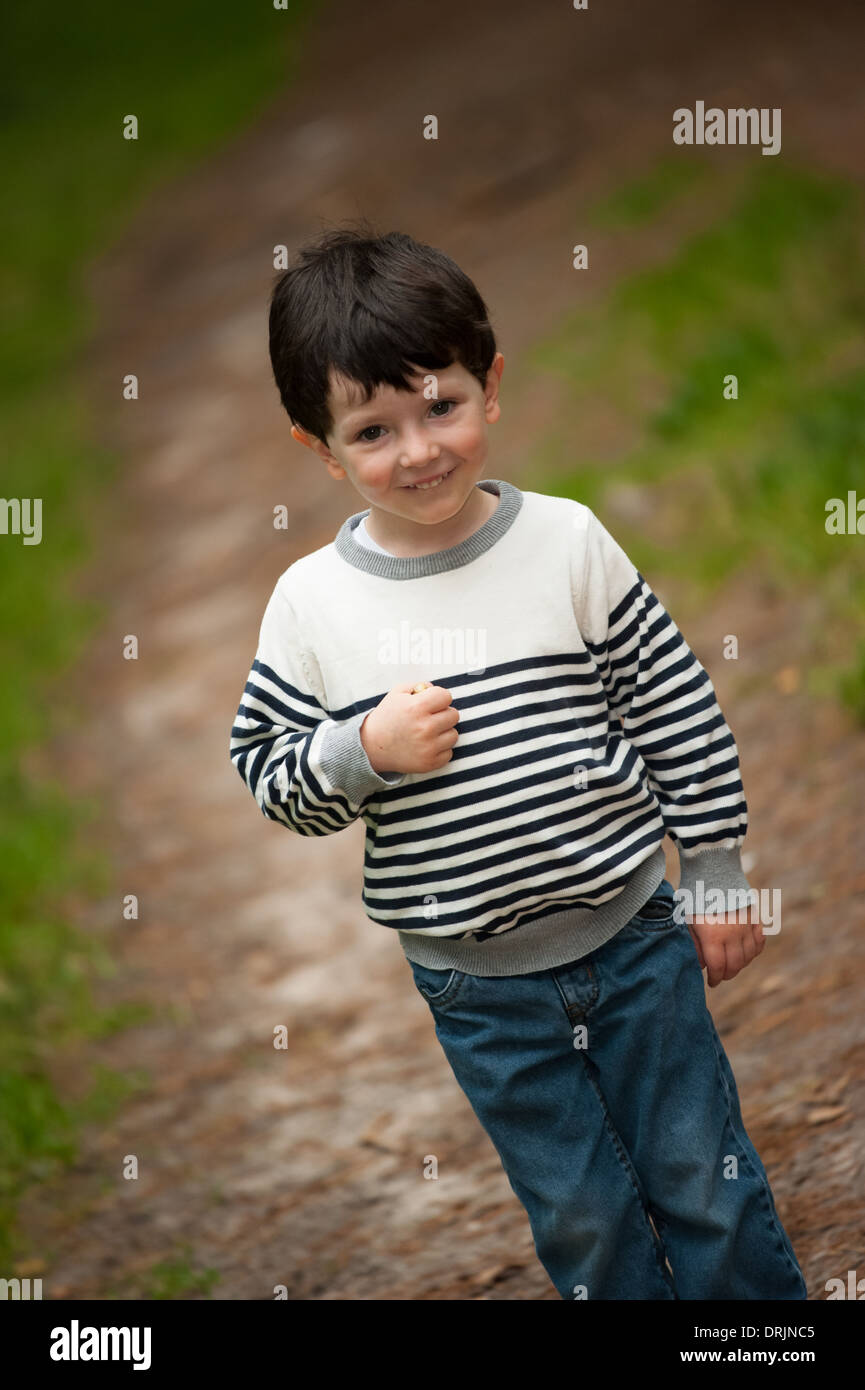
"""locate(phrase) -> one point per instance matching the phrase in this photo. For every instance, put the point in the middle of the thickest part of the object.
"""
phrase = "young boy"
(483, 677)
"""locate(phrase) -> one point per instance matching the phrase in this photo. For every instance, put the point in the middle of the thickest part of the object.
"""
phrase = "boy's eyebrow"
(356, 416)
(372, 409)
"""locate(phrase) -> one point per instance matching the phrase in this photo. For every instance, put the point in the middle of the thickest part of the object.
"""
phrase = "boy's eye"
(363, 436)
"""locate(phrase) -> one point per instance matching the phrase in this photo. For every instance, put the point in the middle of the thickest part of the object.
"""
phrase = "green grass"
(170, 1279)
(193, 74)
(635, 203)
(773, 293)
(173, 1278)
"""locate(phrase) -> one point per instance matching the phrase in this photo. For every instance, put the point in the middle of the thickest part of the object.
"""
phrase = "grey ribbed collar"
(414, 566)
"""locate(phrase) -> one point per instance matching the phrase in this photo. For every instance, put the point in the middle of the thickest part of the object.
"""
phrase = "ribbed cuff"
(343, 761)
(711, 871)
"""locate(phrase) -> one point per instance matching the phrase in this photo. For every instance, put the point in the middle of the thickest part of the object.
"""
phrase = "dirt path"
(304, 1167)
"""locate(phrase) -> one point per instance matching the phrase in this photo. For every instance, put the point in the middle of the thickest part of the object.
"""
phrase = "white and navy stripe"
(570, 764)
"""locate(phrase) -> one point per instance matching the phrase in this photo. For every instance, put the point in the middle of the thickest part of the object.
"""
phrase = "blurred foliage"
(772, 292)
(174, 1278)
(193, 74)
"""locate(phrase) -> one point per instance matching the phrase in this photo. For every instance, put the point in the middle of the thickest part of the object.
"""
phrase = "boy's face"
(400, 438)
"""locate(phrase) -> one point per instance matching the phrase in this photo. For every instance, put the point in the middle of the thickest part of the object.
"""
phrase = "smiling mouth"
(432, 482)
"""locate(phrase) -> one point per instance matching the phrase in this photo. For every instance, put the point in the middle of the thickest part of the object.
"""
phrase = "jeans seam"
(579, 1008)
(762, 1181)
(450, 991)
(633, 1178)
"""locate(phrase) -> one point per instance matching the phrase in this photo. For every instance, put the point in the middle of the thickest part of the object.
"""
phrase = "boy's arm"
(669, 712)
(306, 770)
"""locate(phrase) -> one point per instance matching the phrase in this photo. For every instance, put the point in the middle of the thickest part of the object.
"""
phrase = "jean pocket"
(658, 913)
(438, 987)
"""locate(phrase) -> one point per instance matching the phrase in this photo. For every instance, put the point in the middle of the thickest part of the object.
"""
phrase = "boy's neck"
(405, 540)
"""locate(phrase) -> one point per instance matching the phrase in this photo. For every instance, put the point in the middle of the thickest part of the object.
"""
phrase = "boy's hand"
(727, 944)
(410, 732)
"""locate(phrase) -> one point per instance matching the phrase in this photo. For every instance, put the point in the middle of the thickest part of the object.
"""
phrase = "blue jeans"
(606, 1091)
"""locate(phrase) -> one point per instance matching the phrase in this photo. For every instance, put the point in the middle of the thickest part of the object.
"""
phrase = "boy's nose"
(417, 449)
(416, 446)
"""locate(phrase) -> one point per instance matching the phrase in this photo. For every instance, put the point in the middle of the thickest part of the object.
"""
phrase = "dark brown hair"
(375, 308)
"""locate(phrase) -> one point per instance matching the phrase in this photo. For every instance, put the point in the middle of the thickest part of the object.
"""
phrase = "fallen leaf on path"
(824, 1113)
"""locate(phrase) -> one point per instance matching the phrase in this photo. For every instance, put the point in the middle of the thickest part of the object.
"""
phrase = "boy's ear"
(318, 447)
(310, 441)
(491, 395)
(301, 436)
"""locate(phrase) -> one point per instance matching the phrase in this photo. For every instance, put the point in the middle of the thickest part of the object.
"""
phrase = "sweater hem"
(554, 939)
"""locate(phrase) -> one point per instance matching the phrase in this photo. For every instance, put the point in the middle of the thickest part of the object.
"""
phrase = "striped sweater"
(587, 730)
